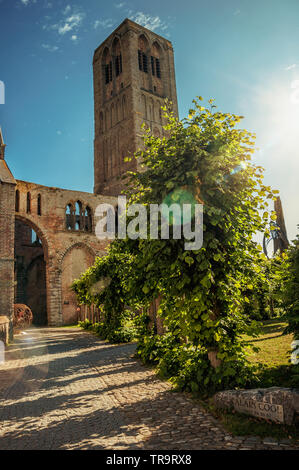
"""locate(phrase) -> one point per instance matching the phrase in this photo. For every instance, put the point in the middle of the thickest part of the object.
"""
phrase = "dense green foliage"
(290, 300)
(104, 285)
(124, 333)
(290, 293)
(204, 292)
(265, 297)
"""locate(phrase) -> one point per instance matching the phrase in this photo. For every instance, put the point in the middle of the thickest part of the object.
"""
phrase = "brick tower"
(133, 72)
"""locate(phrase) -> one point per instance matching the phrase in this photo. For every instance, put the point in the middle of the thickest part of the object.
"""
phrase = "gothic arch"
(40, 233)
(36, 292)
(107, 73)
(117, 56)
(157, 49)
(143, 42)
(61, 256)
(157, 68)
(73, 263)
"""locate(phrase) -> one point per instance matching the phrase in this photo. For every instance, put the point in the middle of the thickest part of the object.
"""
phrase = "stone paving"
(63, 388)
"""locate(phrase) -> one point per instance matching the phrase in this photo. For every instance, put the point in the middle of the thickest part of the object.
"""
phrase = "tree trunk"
(212, 355)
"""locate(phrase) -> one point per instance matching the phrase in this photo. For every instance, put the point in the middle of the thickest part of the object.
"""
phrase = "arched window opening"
(28, 205)
(69, 217)
(143, 54)
(158, 68)
(78, 218)
(118, 65)
(155, 60)
(87, 220)
(116, 53)
(35, 239)
(108, 72)
(78, 214)
(107, 66)
(39, 205)
(17, 201)
(142, 61)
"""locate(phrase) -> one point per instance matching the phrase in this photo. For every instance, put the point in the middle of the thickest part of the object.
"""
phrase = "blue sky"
(243, 53)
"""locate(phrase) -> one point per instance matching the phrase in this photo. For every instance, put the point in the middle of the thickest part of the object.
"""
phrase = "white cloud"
(108, 23)
(148, 21)
(27, 2)
(72, 22)
(74, 38)
(291, 67)
(120, 5)
(67, 9)
(50, 48)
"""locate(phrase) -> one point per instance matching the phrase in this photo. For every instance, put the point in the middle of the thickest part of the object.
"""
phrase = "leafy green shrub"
(121, 335)
(85, 324)
(291, 289)
(290, 299)
(202, 292)
(188, 366)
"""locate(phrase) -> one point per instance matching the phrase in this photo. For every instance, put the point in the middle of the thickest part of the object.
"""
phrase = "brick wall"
(67, 252)
(7, 202)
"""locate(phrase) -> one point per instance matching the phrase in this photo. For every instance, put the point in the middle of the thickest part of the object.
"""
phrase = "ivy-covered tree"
(203, 159)
(104, 285)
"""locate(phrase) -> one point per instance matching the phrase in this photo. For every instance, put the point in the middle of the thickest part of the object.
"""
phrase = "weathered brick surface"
(7, 203)
(131, 98)
(67, 253)
(65, 389)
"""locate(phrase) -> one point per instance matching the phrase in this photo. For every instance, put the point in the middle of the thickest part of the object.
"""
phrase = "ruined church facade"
(47, 234)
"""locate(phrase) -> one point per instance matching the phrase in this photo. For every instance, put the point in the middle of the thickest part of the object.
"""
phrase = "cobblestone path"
(62, 388)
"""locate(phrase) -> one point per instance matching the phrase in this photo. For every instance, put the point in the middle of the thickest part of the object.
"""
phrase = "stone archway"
(31, 262)
(75, 260)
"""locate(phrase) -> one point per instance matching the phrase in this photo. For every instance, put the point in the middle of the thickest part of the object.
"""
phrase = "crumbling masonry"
(47, 234)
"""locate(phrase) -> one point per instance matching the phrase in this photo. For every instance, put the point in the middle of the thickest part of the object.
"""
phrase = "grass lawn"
(274, 356)
(274, 347)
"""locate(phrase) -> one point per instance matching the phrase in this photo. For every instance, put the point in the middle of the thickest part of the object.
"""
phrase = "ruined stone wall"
(7, 201)
(68, 251)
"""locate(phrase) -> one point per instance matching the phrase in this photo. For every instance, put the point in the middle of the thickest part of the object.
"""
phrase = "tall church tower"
(133, 72)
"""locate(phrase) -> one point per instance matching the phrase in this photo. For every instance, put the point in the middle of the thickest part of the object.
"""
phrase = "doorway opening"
(30, 272)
